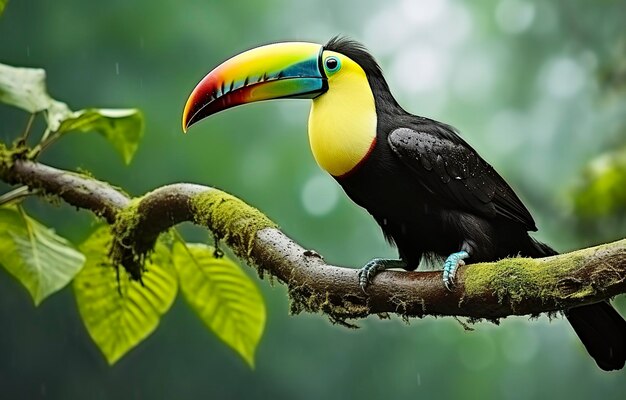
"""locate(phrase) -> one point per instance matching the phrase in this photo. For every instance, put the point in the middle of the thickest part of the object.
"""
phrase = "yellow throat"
(342, 122)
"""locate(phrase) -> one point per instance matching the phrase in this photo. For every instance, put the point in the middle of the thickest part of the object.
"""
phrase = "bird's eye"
(332, 64)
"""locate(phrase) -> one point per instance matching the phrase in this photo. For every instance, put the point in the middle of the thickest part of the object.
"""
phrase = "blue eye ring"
(332, 64)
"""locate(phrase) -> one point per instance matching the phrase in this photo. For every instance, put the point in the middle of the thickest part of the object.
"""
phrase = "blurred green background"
(538, 88)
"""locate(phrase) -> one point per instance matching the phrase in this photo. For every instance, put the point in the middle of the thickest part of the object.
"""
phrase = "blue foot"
(454, 261)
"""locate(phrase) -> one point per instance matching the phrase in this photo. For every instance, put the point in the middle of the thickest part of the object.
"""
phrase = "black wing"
(451, 170)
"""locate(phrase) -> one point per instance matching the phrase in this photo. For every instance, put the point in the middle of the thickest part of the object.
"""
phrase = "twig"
(15, 194)
(29, 124)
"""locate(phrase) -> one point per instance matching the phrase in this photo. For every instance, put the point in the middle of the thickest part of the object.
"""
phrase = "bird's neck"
(342, 126)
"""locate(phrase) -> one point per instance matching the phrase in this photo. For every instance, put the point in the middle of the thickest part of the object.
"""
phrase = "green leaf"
(24, 88)
(225, 298)
(41, 260)
(120, 316)
(56, 113)
(122, 127)
(3, 4)
(602, 191)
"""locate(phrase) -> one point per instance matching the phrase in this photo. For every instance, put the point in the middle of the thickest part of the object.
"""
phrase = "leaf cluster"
(118, 312)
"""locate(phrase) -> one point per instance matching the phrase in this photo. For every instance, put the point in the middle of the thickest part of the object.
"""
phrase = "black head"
(359, 54)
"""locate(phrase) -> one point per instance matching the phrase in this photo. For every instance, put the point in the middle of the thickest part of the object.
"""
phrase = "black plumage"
(433, 195)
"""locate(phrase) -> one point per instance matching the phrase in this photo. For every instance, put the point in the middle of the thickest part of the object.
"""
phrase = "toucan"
(430, 191)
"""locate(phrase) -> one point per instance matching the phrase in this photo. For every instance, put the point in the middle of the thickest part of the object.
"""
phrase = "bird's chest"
(342, 132)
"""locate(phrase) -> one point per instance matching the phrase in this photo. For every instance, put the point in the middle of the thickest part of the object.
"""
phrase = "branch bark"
(515, 286)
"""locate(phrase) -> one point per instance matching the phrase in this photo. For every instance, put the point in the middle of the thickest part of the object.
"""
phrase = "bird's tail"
(603, 332)
(599, 326)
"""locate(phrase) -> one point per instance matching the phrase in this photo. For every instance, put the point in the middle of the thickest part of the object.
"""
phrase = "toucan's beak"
(275, 71)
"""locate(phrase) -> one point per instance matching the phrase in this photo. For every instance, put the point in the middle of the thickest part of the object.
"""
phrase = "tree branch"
(515, 286)
(76, 189)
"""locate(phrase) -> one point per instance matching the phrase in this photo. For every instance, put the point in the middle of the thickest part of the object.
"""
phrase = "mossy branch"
(515, 286)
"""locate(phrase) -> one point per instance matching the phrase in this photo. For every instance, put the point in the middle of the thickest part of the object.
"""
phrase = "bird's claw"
(452, 263)
(367, 273)
(376, 265)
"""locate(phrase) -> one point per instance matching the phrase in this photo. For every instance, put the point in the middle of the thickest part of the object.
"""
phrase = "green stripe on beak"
(275, 71)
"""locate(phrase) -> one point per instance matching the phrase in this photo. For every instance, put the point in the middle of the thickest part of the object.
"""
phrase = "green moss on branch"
(126, 250)
(549, 280)
(230, 219)
(8, 155)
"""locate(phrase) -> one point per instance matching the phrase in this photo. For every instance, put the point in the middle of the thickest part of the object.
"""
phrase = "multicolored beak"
(275, 71)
